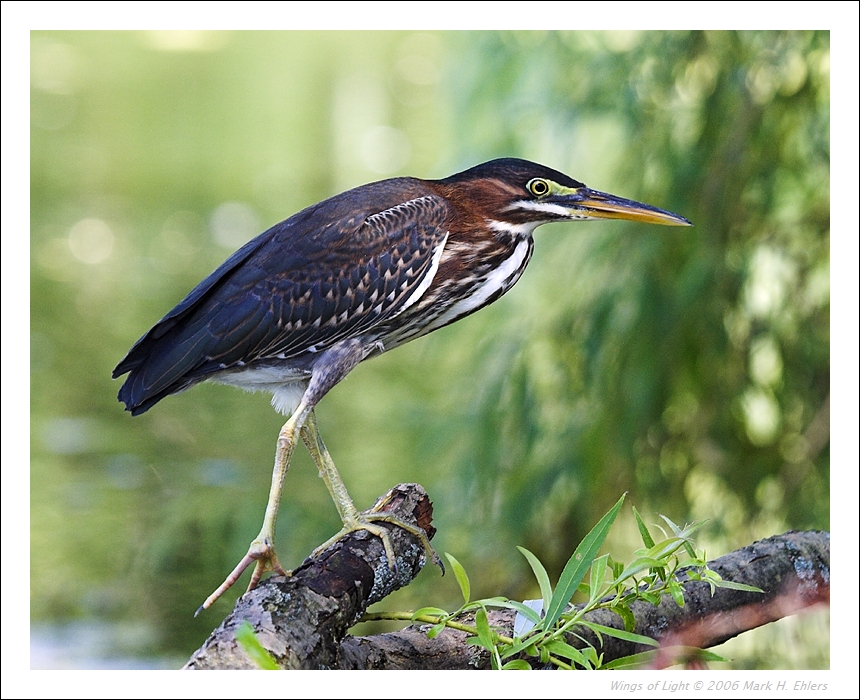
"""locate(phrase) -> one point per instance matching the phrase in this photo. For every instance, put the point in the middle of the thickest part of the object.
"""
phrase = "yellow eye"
(538, 187)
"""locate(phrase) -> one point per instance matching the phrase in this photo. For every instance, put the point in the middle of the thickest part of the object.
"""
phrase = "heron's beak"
(585, 203)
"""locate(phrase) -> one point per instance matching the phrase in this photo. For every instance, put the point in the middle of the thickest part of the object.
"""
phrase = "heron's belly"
(286, 384)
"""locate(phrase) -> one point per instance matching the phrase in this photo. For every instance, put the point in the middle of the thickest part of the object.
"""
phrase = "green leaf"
(620, 634)
(460, 575)
(734, 585)
(563, 649)
(675, 528)
(626, 614)
(643, 530)
(676, 592)
(519, 607)
(496, 601)
(631, 661)
(665, 548)
(712, 578)
(485, 634)
(577, 566)
(474, 605)
(517, 665)
(590, 653)
(598, 574)
(685, 532)
(544, 654)
(637, 565)
(429, 611)
(649, 597)
(252, 647)
(526, 644)
(540, 574)
(487, 638)
(435, 630)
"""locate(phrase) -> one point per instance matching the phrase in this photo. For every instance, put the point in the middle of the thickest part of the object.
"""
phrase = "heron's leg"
(352, 519)
(262, 550)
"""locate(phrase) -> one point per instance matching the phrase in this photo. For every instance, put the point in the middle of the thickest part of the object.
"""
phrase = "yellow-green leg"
(261, 553)
(352, 519)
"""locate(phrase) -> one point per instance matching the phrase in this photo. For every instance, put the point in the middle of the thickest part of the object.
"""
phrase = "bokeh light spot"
(91, 241)
(762, 416)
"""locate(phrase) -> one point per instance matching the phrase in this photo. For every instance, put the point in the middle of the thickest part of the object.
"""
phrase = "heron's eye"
(538, 187)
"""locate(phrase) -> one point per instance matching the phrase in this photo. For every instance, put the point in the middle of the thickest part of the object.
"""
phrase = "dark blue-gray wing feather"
(323, 275)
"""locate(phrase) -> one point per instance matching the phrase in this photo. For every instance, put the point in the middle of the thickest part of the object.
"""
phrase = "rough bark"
(302, 620)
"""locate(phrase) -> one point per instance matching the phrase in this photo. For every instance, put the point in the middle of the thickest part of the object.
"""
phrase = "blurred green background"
(689, 367)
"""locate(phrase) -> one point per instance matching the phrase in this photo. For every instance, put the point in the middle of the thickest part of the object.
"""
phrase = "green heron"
(298, 307)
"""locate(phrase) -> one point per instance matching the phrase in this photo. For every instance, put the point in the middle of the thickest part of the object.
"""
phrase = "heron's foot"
(261, 553)
(367, 521)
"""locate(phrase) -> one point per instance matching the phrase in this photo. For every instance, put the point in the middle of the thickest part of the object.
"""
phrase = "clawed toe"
(367, 522)
(262, 554)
